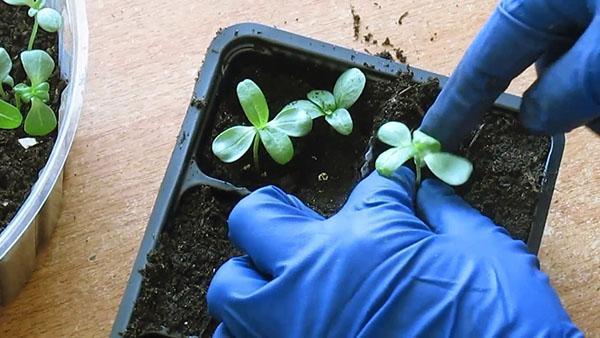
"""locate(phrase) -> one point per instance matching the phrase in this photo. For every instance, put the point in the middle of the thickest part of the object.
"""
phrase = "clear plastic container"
(33, 224)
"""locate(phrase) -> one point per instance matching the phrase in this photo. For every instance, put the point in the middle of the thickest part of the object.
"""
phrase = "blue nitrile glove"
(377, 270)
(563, 37)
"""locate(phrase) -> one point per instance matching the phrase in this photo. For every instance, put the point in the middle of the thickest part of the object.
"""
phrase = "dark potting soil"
(19, 168)
(508, 171)
(181, 266)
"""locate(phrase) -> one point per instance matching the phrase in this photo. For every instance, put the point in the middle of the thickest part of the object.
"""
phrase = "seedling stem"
(34, 32)
(255, 149)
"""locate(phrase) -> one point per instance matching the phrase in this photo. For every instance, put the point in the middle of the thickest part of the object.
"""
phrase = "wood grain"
(144, 58)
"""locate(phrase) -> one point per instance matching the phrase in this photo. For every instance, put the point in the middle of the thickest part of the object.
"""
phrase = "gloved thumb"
(447, 213)
(567, 94)
(230, 297)
(222, 332)
(375, 191)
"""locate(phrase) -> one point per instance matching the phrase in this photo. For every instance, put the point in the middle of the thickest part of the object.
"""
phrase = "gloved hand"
(562, 36)
(377, 270)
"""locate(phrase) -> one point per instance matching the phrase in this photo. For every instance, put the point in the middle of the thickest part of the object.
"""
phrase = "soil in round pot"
(508, 170)
(19, 167)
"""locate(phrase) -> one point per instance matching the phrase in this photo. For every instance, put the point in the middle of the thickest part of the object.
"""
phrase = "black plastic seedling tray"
(183, 173)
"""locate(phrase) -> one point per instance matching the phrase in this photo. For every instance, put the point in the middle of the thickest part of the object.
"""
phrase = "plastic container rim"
(73, 69)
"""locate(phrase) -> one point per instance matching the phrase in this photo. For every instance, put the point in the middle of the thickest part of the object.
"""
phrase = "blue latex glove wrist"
(376, 269)
(561, 36)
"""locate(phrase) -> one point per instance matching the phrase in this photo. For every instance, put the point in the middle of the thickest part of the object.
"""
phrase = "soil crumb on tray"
(19, 168)
(355, 23)
(385, 55)
(404, 15)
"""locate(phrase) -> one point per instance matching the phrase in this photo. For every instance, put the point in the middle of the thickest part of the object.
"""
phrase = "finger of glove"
(550, 56)
(567, 95)
(447, 213)
(271, 226)
(557, 17)
(231, 298)
(515, 36)
(396, 191)
(595, 125)
(386, 200)
(222, 332)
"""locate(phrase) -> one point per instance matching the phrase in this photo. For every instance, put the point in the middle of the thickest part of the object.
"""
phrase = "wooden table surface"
(144, 58)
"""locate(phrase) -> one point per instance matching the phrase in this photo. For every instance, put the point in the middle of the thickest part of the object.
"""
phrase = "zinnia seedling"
(10, 116)
(47, 18)
(40, 119)
(38, 66)
(334, 107)
(233, 143)
(5, 68)
(424, 150)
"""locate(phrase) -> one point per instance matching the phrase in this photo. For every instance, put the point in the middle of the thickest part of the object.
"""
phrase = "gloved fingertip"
(435, 187)
(446, 212)
(567, 94)
(235, 279)
(272, 195)
(222, 332)
(248, 203)
(403, 177)
(534, 114)
(435, 195)
(399, 187)
(429, 191)
(264, 202)
(595, 126)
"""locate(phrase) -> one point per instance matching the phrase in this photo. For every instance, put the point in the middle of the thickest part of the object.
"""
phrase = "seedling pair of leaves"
(334, 106)
(274, 135)
(40, 119)
(294, 120)
(424, 150)
(47, 18)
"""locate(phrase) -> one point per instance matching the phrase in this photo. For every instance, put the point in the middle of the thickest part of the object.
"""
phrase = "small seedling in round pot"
(5, 68)
(48, 19)
(334, 106)
(38, 66)
(10, 116)
(425, 152)
(233, 143)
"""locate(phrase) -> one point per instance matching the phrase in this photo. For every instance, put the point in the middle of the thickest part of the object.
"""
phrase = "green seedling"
(10, 116)
(348, 88)
(233, 143)
(47, 18)
(5, 68)
(424, 150)
(38, 66)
